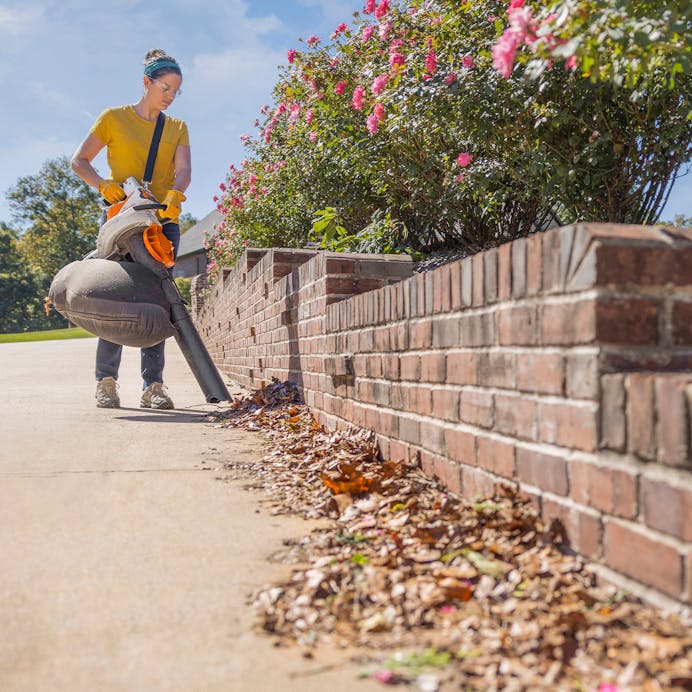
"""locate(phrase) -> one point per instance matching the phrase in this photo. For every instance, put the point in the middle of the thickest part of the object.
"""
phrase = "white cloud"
(50, 97)
(16, 21)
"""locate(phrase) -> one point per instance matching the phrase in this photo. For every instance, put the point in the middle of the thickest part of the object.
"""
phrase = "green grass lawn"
(48, 335)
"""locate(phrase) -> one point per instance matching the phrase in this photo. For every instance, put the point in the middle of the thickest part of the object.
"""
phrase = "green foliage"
(184, 284)
(444, 151)
(681, 221)
(186, 221)
(21, 291)
(46, 335)
(58, 214)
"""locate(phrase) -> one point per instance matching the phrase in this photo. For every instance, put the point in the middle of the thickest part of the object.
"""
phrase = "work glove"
(111, 191)
(173, 200)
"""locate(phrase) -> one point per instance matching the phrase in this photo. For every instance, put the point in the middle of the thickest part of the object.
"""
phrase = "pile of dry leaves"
(471, 595)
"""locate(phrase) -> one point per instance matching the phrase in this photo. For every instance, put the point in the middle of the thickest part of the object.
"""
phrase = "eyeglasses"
(165, 88)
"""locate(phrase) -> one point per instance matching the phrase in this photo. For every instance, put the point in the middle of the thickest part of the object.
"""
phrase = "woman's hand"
(111, 191)
(173, 202)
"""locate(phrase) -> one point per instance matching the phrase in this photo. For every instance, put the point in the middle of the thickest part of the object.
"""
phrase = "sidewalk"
(126, 564)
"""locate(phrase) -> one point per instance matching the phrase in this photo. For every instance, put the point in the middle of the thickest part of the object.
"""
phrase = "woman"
(126, 132)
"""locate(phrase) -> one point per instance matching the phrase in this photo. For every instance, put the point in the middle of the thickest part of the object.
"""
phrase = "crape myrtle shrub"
(441, 123)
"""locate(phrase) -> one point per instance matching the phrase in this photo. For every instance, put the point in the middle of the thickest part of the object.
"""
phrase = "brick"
(477, 329)
(390, 366)
(517, 325)
(674, 445)
(543, 373)
(398, 451)
(606, 488)
(643, 556)
(441, 288)
(613, 421)
(420, 400)
(467, 281)
(455, 285)
(544, 471)
(582, 527)
(387, 423)
(446, 332)
(432, 436)
(433, 367)
(448, 472)
(681, 323)
(476, 408)
(477, 484)
(534, 267)
(640, 415)
(568, 424)
(667, 506)
(409, 430)
(582, 375)
(687, 595)
(445, 404)
(462, 367)
(410, 366)
(515, 415)
(497, 369)
(428, 279)
(495, 456)
(550, 261)
(460, 445)
(519, 268)
(478, 280)
(627, 321)
(644, 265)
(490, 275)
(504, 272)
(421, 335)
(568, 323)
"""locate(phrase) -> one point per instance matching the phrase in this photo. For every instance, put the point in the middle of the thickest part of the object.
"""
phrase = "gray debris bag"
(122, 302)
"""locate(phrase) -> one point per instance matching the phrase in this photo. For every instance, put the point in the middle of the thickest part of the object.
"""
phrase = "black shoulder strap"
(154, 148)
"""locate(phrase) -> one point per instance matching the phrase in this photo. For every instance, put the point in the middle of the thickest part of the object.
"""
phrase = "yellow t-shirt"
(128, 138)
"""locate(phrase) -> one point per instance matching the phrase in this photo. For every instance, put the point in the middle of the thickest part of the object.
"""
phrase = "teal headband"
(159, 64)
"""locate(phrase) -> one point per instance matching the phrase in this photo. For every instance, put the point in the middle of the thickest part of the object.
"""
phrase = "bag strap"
(153, 149)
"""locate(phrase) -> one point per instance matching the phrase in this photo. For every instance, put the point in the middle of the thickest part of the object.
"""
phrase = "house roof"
(192, 241)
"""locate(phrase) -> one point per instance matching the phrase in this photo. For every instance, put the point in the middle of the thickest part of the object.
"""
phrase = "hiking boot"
(107, 393)
(156, 396)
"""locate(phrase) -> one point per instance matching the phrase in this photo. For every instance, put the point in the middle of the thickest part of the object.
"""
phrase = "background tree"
(21, 293)
(186, 221)
(57, 214)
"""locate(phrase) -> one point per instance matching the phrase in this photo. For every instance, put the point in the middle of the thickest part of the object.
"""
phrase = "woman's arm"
(82, 158)
(183, 168)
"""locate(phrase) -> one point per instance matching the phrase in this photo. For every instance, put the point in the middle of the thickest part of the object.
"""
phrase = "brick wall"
(561, 363)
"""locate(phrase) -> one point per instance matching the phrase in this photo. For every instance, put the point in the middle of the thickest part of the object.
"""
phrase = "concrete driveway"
(124, 563)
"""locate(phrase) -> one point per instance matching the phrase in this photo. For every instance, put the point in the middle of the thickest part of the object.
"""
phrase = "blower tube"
(187, 336)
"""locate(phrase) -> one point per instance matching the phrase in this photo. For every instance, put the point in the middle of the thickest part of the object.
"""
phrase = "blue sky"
(61, 63)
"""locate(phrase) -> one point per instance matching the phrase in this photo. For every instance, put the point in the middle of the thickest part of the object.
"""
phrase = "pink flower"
(382, 9)
(464, 159)
(431, 62)
(313, 41)
(397, 59)
(386, 677)
(358, 98)
(309, 116)
(369, 6)
(340, 87)
(313, 135)
(468, 61)
(291, 55)
(520, 19)
(339, 29)
(384, 29)
(372, 124)
(252, 179)
(295, 111)
(379, 83)
(516, 3)
(334, 61)
(459, 178)
(368, 31)
(608, 687)
(504, 51)
(222, 187)
(451, 78)
(264, 109)
(571, 63)
(378, 111)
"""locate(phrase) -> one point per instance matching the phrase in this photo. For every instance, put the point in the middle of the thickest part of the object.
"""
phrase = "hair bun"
(154, 54)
